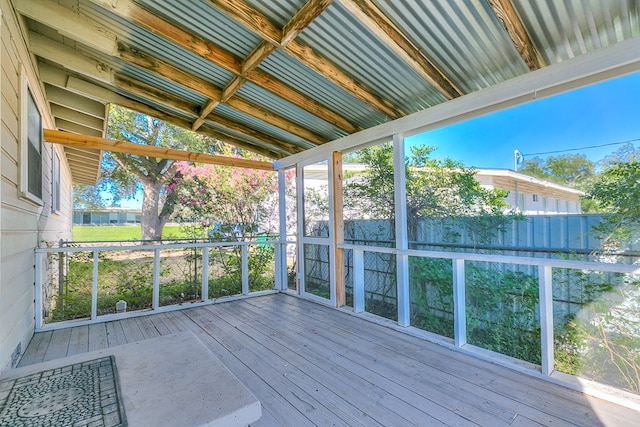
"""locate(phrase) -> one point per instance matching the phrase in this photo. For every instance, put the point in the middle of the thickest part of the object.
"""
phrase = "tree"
(573, 170)
(617, 192)
(435, 188)
(124, 175)
(229, 203)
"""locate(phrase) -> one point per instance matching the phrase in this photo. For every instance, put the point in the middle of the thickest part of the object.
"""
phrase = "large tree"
(435, 188)
(573, 170)
(126, 175)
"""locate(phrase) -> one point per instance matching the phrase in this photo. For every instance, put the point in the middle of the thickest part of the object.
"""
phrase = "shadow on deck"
(313, 365)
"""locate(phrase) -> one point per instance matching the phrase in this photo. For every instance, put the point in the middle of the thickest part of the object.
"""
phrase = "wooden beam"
(302, 19)
(168, 71)
(383, 28)
(177, 104)
(260, 24)
(250, 18)
(106, 95)
(68, 23)
(338, 227)
(69, 139)
(128, 10)
(509, 19)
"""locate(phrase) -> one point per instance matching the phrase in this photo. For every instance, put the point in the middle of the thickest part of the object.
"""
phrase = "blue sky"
(597, 114)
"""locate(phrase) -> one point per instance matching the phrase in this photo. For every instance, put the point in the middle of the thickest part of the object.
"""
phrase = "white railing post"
(402, 240)
(281, 248)
(459, 303)
(545, 279)
(38, 290)
(205, 273)
(156, 279)
(358, 281)
(245, 269)
(94, 287)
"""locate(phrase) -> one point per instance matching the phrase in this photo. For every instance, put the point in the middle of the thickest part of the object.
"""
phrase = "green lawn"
(113, 233)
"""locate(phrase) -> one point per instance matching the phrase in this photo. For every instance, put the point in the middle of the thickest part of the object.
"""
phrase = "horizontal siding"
(23, 225)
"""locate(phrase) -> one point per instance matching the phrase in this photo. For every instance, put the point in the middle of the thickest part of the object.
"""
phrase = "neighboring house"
(532, 196)
(35, 197)
(107, 216)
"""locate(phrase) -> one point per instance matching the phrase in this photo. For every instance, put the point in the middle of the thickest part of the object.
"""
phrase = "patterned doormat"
(83, 394)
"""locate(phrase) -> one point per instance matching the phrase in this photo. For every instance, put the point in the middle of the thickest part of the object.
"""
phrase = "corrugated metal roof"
(286, 109)
(468, 44)
(463, 38)
(564, 30)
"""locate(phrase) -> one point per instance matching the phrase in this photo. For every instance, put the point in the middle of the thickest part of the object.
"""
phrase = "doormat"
(82, 394)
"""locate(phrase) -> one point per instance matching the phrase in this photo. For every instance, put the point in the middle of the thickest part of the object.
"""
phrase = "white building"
(532, 196)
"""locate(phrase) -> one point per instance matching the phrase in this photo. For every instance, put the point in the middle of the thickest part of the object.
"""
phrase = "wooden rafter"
(508, 16)
(69, 139)
(260, 24)
(222, 58)
(369, 15)
(105, 95)
(177, 104)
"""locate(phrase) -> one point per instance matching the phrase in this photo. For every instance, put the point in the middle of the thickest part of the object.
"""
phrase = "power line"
(582, 148)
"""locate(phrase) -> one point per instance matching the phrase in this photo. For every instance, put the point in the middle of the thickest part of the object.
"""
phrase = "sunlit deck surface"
(313, 365)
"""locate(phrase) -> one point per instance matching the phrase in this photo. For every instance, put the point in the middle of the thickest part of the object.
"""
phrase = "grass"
(113, 233)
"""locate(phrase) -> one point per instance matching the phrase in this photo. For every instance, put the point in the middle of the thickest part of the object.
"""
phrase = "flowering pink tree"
(227, 203)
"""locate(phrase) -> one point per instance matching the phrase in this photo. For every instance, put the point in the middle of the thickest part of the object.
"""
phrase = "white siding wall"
(23, 224)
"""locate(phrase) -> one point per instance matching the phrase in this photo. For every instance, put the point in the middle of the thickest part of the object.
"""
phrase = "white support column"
(281, 248)
(38, 287)
(402, 241)
(156, 279)
(244, 251)
(459, 304)
(300, 237)
(358, 281)
(545, 275)
(205, 273)
(94, 287)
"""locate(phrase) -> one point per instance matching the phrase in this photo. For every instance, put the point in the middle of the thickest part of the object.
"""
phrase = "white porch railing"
(43, 279)
(545, 269)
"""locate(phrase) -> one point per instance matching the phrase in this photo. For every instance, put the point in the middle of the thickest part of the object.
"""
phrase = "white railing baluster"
(205, 274)
(156, 279)
(545, 278)
(245, 269)
(459, 303)
(358, 280)
(94, 287)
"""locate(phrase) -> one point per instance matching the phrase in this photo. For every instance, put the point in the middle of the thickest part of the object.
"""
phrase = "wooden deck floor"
(312, 365)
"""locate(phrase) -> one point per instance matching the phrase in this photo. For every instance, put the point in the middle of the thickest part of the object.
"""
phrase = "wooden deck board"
(98, 337)
(311, 365)
(35, 351)
(455, 392)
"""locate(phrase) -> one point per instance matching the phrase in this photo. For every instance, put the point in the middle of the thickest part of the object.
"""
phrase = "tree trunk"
(151, 222)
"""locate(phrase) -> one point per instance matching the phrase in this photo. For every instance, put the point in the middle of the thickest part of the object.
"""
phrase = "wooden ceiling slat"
(259, 24)
(509, 19)
(155, 94)
(369, 15)
(66, 138)
(146, 19)
(301, 20)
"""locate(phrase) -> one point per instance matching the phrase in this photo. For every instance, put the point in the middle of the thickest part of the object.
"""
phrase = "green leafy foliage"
(573, 170)
(617, 192)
